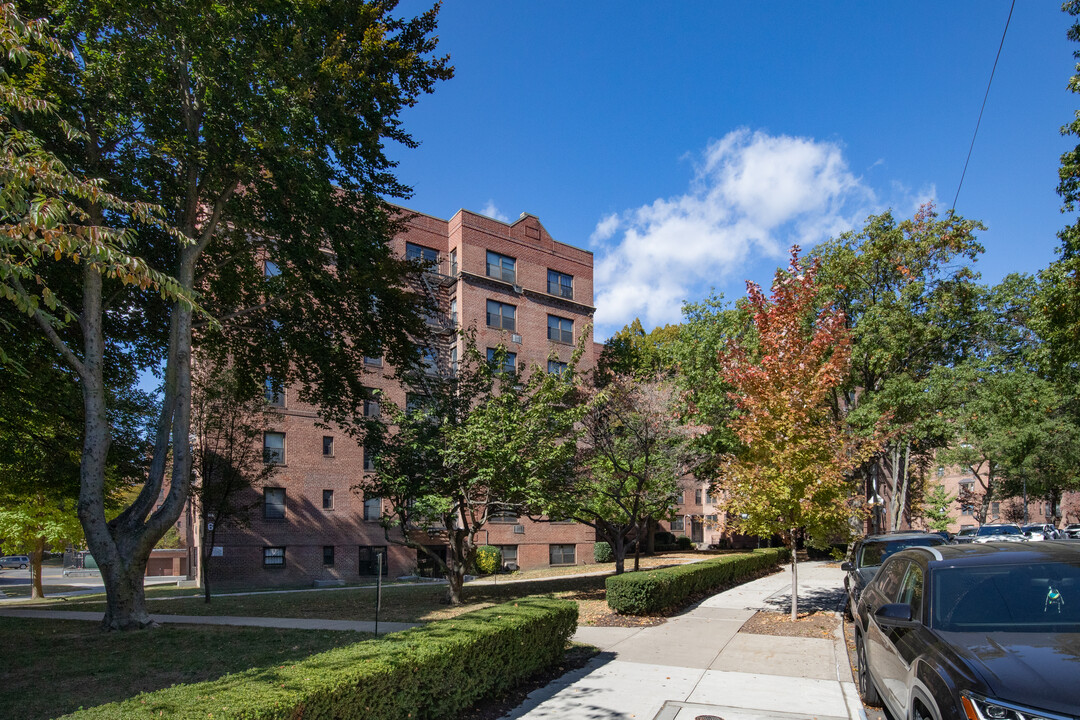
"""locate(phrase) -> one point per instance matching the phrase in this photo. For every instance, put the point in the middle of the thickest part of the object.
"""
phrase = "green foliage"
(936, 506)
(435, 671)
(602, 552)
(664, 538)
(170, 540)
(656, 591)
(684, 543)
(631, 351)
(488, 559)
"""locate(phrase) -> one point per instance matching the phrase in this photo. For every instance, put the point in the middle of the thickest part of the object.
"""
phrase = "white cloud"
(752, 194)
(493, 212)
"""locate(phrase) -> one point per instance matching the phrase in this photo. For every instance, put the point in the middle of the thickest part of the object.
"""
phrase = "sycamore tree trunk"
(36, 589)
(790, 542)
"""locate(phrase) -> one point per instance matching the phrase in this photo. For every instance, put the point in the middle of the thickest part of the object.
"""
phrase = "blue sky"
(689, 144)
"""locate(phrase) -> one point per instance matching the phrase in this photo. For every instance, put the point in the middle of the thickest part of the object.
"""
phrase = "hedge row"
(435, 671)
(651, 591)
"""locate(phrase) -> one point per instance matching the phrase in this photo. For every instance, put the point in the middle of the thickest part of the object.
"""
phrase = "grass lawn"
(414, 602)
(52, 667)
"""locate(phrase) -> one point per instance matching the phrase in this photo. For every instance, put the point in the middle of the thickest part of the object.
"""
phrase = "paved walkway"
(294, 623)
(699, 664)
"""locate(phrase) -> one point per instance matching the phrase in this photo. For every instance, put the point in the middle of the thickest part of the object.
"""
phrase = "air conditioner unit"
(515, 338)
(519, 529)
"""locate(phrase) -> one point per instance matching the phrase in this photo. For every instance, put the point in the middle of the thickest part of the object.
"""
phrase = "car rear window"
(872, 554)
(1040, 597)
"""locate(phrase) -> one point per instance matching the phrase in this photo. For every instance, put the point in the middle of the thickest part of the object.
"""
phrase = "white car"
(15, 561)
(1041, 532)
(999, 533)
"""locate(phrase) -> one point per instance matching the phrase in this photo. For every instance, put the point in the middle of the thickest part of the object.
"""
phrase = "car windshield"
(1000, 530)
(1033, 528)
(873, 553)
(1039, 597)
(966, 532)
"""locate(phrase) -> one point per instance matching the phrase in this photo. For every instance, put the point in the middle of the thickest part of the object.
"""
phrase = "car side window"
(889, 577)
(911, 592)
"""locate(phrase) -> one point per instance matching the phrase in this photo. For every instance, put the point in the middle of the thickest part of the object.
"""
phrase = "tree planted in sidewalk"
(791, 474)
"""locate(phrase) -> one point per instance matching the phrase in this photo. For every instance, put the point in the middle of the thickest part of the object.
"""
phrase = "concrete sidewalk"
(292, 623)
(699, 664)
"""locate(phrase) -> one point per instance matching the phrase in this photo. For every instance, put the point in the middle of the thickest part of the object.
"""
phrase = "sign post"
(378, 588)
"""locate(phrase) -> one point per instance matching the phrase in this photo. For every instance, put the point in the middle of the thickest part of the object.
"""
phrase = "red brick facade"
(312, 478)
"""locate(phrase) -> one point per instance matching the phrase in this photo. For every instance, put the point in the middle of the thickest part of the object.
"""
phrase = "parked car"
(973, 631)
(965, 535)
(1072, 530)
(1040, 532)
(867, 554)
(15, 561)
(1005, 532)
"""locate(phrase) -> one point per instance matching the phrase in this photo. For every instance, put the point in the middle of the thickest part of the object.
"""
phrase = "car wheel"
(866, 683)
(23, 566)
(918, 712)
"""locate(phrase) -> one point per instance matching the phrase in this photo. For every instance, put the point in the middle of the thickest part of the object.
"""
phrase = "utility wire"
(985, 96)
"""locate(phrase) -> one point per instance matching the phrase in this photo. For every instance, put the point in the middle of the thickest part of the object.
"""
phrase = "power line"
(985, 96)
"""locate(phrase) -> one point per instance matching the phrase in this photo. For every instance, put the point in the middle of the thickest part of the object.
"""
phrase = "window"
(273, 503)
(501, 315)
(428, 256)
(275, 393)
(274, 448)
(328, 499)
(453, 311)
(709, 498)
(678, 524)
(430, 360)
(556, 367)
(328, 555)
(509, 361)
(560, 329)
(503, 517)
(501, 267)
(911, 592)
(509, 554)
(376, 361)
(453, 263)
(328, 446)
(274, 557)
(680, 497)
(369, 560)
(271, 269)
(453, 361)
(369, 460)
(416, 402)
(561, 554)
(371, 403)
(560, 284)
(697, 497)
(995, 508)
(372, 508)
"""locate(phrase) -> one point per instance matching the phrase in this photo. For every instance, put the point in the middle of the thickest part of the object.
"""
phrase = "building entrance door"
(697, 531)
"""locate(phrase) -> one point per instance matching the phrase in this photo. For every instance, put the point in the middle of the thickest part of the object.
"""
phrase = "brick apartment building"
(518, 287)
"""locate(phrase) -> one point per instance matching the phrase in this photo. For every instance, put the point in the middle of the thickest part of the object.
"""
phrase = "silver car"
(15, 561)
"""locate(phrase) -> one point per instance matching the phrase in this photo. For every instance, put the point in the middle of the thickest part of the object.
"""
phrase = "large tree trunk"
(36, 589)
(125, 607)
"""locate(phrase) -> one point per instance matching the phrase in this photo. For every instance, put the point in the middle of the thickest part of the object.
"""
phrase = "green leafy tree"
(465, 447)
(259, 131)
(936, 506)
(791, 472)
(910, 301)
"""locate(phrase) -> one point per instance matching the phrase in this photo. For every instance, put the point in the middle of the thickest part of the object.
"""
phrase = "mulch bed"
(808, 625)
(493, 708)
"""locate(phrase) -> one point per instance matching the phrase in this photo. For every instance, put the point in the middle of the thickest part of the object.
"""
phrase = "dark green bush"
(662, 547)
(684, 543)
(663, 538)
(435, 671)
(488, 559)
(602, 553)
(653, 591)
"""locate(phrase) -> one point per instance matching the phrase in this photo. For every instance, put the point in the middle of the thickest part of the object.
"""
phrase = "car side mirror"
(895, 615)
(847, 566)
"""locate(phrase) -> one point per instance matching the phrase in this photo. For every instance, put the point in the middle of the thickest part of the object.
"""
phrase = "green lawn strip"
(23, 591)
(401, 603)
(436, 671)
(52, 667)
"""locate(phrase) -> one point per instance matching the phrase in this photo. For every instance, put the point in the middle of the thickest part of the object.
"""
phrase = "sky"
(688, 145)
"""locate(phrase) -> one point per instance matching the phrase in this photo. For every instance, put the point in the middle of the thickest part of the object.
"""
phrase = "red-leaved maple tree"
(791, 473)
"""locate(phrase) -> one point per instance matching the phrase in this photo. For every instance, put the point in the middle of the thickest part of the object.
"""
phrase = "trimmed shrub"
(488, 559)
(602, 553)
(684, 543)
(663, 538)
(665, 546)
(435, 671)
(653, 591)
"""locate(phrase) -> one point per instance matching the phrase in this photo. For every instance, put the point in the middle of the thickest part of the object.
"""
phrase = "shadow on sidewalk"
(584, 711)
(810, 600)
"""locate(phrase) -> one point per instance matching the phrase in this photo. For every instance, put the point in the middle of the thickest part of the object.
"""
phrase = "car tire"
(847, 609)
(23, 566)
(918, 712)
(867, 689)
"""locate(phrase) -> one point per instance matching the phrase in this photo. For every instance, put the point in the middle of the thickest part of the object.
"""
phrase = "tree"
(791, 472)
(260, 131)
(227, 423)
(936, 506)
(632, 457)
(909, 298)
(465, 447)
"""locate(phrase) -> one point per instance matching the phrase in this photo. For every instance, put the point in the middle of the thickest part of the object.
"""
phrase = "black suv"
(973, 631)
(867, 554)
